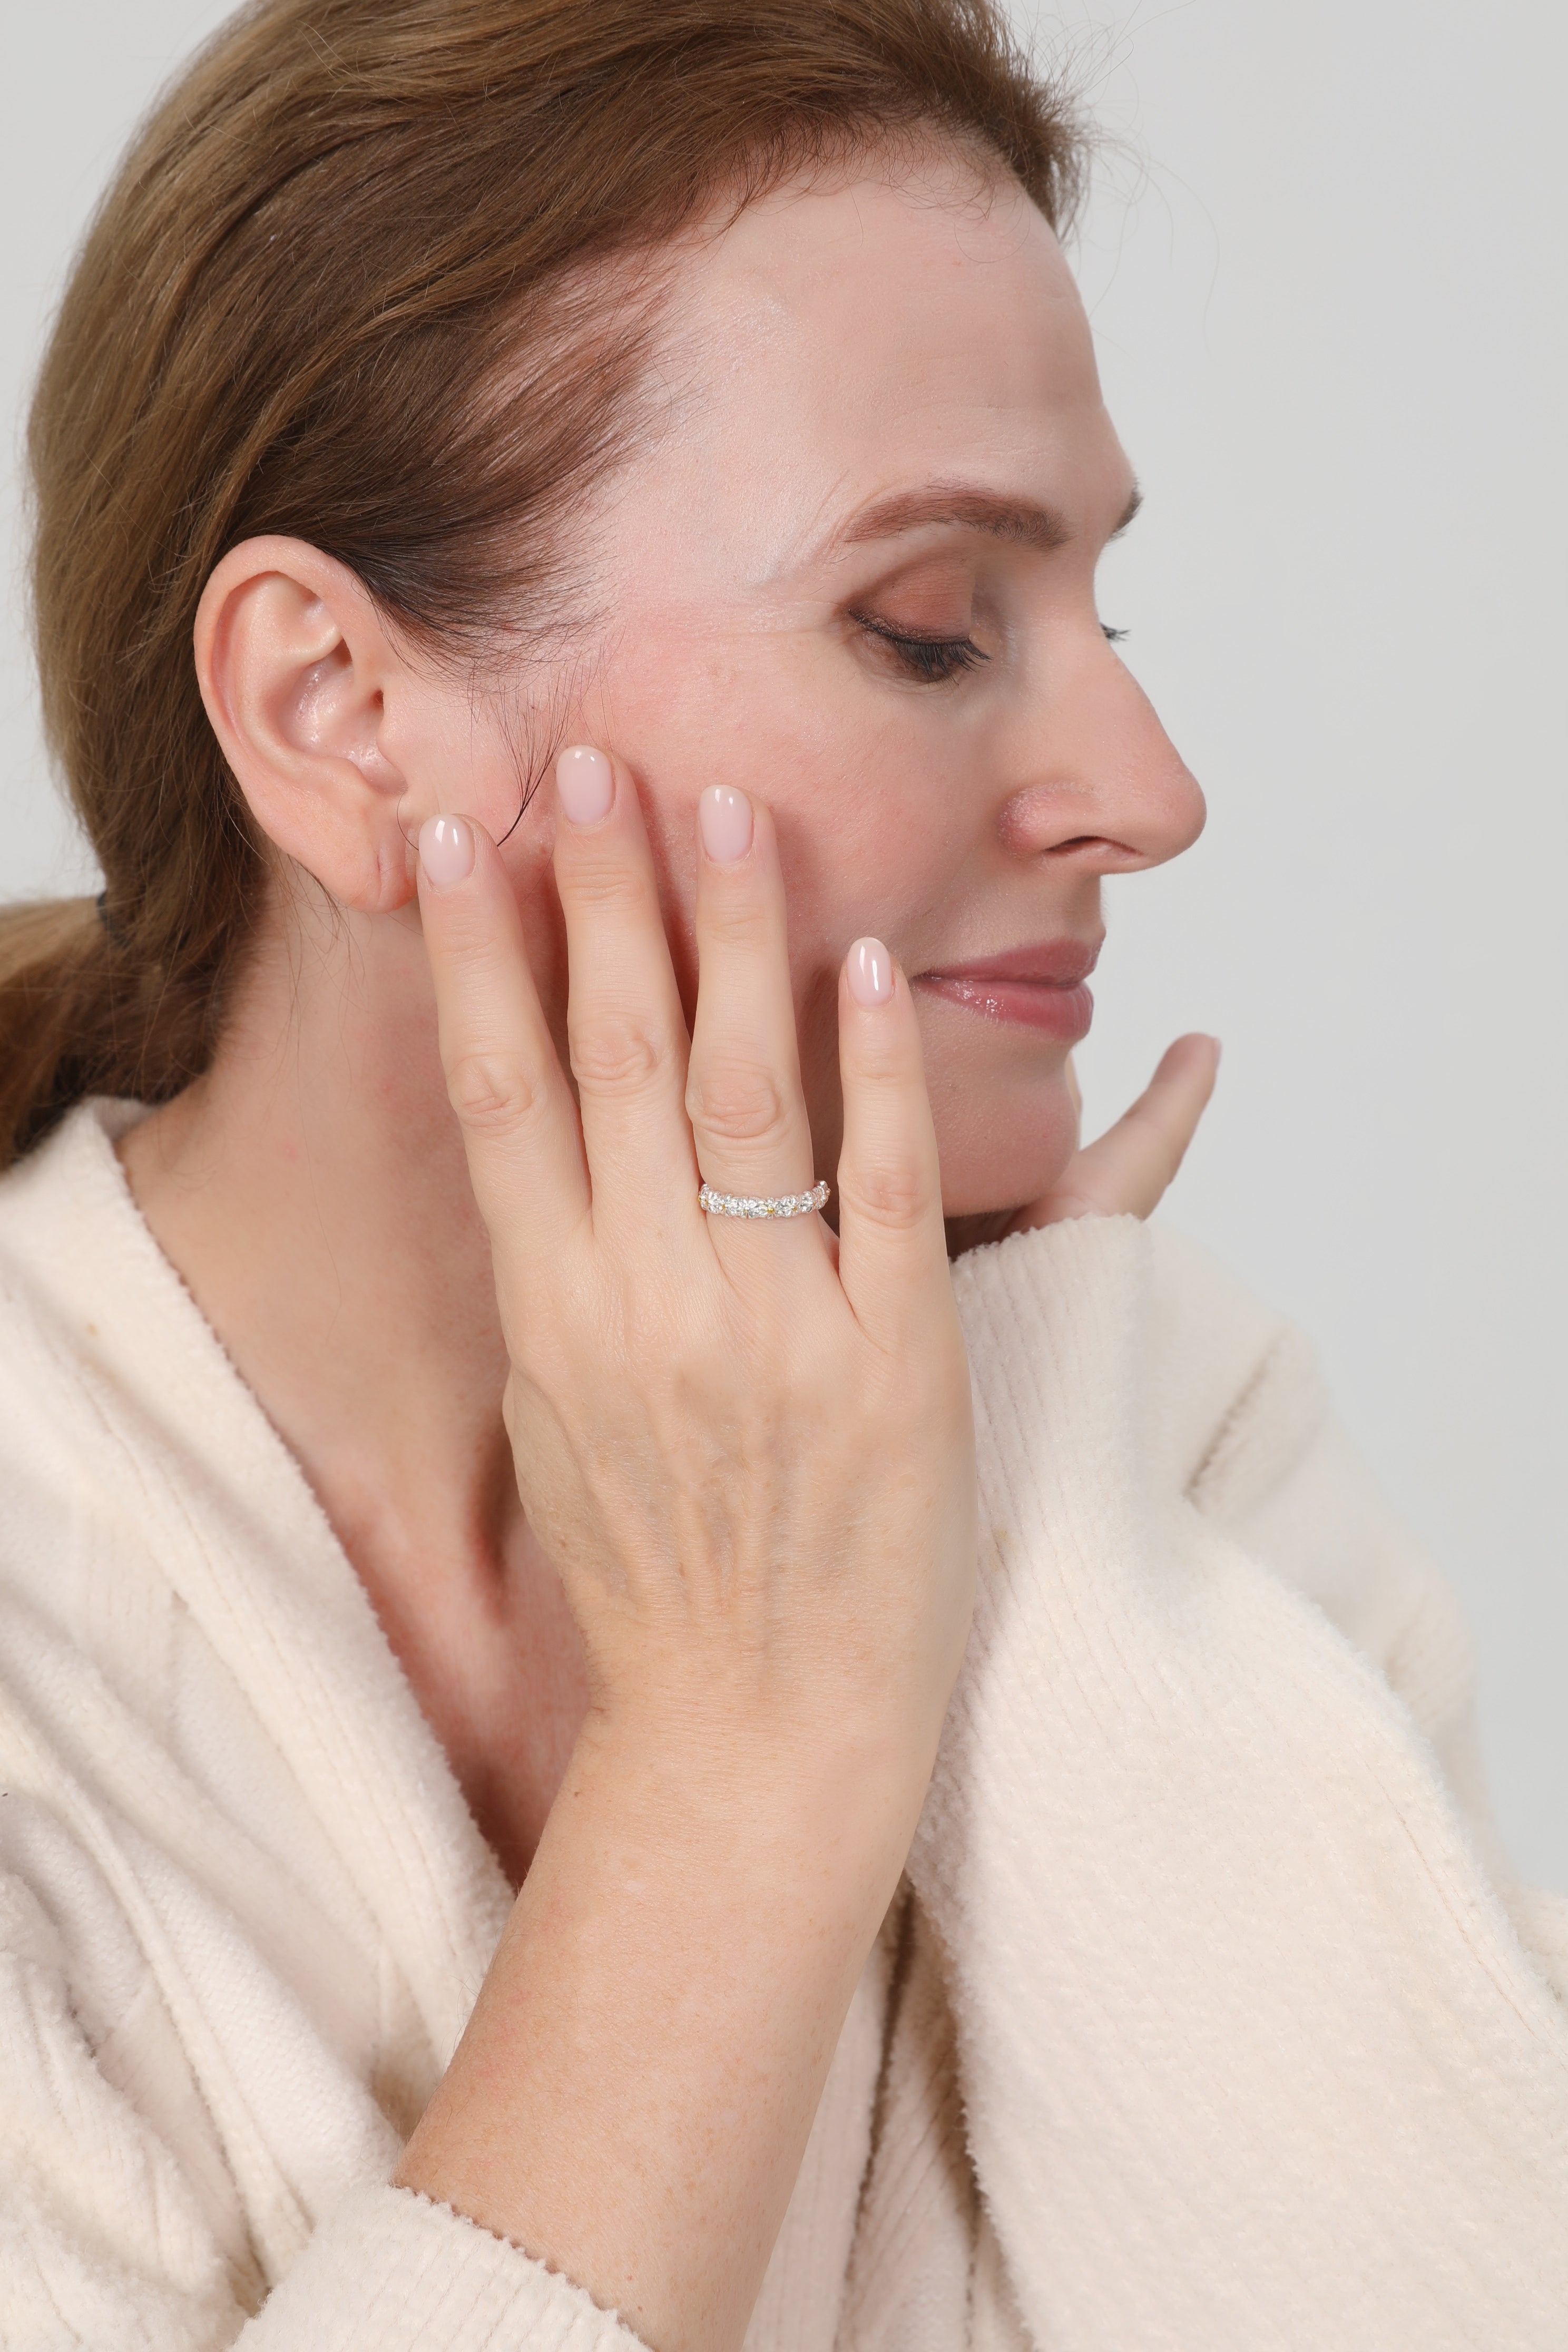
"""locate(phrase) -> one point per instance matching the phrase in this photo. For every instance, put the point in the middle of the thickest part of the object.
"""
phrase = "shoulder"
(70, 1239)
(56, 1228)
(1132, 1345)
(1177, 1390)
(1233, 1397)
(1218, 1395)
(73, 1163)
(68, 1225)
(110, 1390)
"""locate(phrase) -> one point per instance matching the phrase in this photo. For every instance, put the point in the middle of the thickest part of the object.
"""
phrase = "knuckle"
(737, 1102)
(604, 884)
(491, 1094)
(892, 1194)
(732, 916)
(616, 1054)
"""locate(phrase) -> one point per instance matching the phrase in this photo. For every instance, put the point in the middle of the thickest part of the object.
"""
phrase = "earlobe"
(295, 666)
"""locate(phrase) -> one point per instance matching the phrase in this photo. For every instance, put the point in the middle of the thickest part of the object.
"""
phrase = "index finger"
(504, 1078)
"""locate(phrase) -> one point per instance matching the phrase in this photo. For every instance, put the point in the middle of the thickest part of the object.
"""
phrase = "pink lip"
(1040, 987)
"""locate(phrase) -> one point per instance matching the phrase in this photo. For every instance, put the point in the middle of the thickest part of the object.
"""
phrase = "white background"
(1324, 264)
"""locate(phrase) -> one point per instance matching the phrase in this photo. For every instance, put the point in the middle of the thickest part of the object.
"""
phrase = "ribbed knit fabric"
(1299, 2083)
(395, 2269)
(1212, 2021)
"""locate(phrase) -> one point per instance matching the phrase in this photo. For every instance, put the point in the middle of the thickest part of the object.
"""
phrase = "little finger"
(892, 1243)
(504, 1077)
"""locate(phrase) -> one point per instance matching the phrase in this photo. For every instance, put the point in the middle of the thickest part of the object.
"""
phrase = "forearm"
(750, 1456)
(633, 2096)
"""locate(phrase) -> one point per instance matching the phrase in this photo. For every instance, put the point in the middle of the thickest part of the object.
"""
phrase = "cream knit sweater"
(1208, 2020)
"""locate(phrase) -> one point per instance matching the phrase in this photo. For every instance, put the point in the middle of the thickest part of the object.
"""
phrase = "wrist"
(697, 1918)
(753, 1797)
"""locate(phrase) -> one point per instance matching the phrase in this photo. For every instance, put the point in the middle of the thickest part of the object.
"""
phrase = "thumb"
(1128, 1170)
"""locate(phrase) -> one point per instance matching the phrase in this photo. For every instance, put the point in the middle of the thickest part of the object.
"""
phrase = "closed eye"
(930, 660)
(1115, 636)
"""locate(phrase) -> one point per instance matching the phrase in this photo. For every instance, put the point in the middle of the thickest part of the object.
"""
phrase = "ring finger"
(743, 1093)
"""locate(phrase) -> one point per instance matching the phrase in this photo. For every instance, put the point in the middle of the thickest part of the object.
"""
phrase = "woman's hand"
(1128, 1170)
(747, 1447)
(747, 1450)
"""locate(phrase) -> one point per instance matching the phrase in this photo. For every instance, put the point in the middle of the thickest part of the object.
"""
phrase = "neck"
(311, 1189)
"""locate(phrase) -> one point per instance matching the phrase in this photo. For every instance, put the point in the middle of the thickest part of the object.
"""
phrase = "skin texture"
(884, 336)
(754, 1470)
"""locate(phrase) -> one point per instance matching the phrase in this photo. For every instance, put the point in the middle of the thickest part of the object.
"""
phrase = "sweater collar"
(262, 1573)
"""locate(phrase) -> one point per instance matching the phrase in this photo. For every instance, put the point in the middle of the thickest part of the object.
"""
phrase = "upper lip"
(1049, 964)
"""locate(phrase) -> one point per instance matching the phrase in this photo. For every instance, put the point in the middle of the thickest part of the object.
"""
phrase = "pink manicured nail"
(870, 972)
(725, 817)
(447, 849)
(585, 784)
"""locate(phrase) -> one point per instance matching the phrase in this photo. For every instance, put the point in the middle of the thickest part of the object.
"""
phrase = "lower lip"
(1049, 1009)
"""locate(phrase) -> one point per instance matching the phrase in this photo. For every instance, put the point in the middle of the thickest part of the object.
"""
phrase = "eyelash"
(934, 661)
(931, 660)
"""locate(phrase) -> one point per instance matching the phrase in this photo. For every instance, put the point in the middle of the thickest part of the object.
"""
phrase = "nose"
(1099, 786)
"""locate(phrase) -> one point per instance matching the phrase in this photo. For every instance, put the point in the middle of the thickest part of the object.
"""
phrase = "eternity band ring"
(748, 1205)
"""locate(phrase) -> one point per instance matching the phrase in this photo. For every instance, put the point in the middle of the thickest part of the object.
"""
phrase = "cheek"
(1003, 1134)
(879, 823)
(479, 763)
(1003, 1142)
(870, 822)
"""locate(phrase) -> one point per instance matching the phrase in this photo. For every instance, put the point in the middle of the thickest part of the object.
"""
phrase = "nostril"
(1095, 845)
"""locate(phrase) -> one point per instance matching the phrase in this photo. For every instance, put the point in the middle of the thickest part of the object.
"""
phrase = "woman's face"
(851, 571)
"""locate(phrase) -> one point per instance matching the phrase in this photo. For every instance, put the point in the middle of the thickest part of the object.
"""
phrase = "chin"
(1002, 1145)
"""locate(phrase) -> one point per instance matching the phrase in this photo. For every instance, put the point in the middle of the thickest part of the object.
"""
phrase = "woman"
(524, 1826)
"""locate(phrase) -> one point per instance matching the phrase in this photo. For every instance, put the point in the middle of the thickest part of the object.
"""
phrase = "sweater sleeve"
(1284, 1481)
(109, 2244)
(1264, 1458)
(391, 2269)
(1251, 2049)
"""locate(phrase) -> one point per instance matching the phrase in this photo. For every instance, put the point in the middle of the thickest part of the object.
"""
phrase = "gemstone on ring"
(750, 1204)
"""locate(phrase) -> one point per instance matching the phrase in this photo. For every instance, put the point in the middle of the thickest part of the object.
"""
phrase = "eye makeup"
(930, 660)
(920, 621)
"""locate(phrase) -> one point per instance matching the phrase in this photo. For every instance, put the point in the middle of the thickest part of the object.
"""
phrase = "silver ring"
(748, 1205)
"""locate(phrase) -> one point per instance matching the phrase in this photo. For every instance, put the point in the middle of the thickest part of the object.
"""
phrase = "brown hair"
(324, 298)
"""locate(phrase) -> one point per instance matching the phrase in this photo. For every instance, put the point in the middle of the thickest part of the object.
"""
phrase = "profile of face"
(850, 570)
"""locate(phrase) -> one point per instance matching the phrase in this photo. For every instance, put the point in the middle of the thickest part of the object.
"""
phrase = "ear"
(295, 667)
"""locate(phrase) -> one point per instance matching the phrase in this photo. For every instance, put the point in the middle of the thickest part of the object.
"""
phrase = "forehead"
(849, 338)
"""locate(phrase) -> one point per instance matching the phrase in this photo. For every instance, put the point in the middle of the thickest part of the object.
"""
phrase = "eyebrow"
(1022, 520)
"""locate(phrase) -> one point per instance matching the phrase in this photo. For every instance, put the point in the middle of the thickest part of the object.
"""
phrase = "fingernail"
(870, 970)
(725, 817)
(585, 784)
(447, 849)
